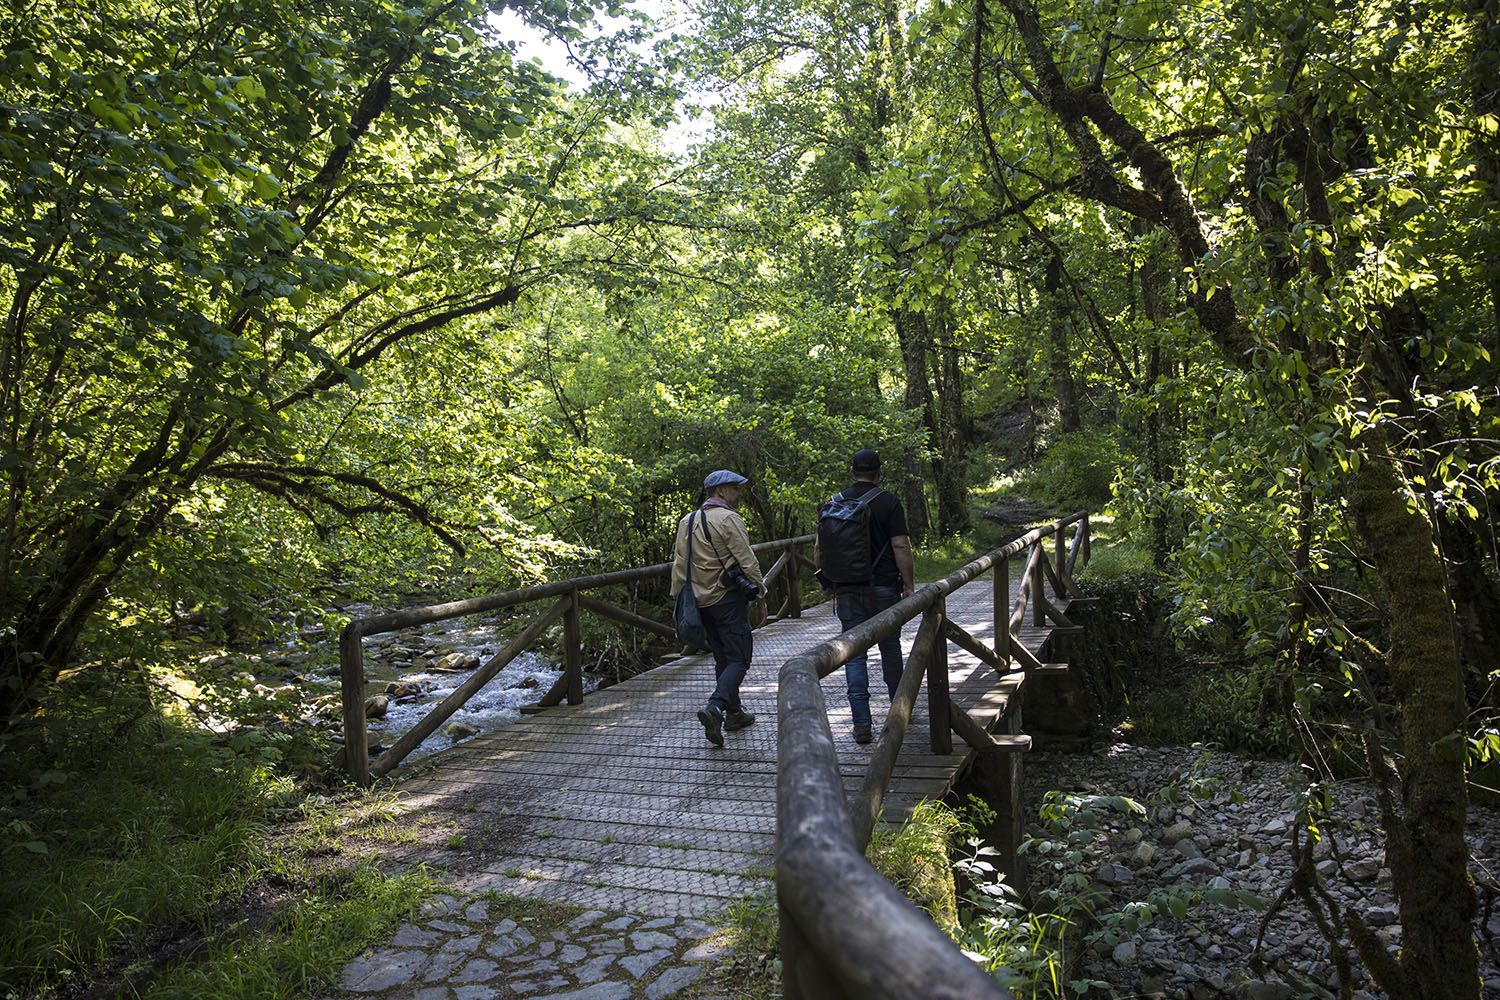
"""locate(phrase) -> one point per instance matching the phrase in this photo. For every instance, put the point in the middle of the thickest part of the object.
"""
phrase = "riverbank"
(1226, 824)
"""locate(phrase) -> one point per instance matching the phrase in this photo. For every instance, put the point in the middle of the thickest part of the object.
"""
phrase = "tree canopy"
(351, 296)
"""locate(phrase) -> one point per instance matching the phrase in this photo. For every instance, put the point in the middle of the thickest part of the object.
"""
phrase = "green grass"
(914, 858)
(125, 834)
(939, 557)
(119, 842)
(304, 949)
(753, 969)
(1113, 555)
(1074, 472)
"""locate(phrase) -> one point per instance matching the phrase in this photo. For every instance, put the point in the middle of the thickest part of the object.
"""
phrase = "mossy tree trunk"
(1427, 854)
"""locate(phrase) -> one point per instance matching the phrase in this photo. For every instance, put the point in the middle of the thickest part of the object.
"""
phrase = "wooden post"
(937, 686)
(1002, 614)
(573, 651)
(794, 584)
(1061, 561)
(1038, 594)
(352, 685)
(804, 976)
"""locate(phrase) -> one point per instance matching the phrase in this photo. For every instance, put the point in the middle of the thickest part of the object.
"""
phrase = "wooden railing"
(846, 932)
(570, 600)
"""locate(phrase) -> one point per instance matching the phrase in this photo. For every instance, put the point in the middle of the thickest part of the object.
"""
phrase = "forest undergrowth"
(146, 856)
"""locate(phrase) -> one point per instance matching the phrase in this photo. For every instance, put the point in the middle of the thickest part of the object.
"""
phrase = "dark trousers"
(856, 605)
(728, 626)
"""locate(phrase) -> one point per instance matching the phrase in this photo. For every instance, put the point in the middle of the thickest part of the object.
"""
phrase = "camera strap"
(709, 535)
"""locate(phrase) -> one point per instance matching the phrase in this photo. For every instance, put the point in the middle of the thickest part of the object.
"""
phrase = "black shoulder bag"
(685, 616)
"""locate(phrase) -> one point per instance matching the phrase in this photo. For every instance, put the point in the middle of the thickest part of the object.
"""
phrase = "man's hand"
(907, 590)
(759, 615)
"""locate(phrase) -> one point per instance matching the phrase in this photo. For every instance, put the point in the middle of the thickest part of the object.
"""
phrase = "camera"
(735, 577)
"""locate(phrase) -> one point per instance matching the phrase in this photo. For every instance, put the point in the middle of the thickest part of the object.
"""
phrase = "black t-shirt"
(887, 521)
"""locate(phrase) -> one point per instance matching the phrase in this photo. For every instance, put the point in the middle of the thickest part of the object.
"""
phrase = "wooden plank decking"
(621, 804)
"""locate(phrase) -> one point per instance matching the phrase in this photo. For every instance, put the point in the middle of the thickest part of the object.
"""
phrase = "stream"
(414, 669)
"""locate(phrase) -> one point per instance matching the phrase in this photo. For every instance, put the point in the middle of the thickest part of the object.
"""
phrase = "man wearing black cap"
(885, 573)
(727, 583)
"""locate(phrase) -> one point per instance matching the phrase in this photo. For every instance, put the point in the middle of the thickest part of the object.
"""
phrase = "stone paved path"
(466, 949)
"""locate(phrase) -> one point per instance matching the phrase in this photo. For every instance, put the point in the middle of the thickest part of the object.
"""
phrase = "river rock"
(376, 707)
(1177, 831)
(1193, 866)
(460, 731)
(455, 662)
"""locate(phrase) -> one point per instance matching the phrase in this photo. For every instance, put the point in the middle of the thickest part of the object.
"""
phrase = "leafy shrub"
(1223, 708)
(1076, 471)
(1023, 943)
(1124, 564)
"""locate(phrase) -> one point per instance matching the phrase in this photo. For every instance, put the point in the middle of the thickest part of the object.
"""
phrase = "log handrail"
(845, 930)
(570, 601)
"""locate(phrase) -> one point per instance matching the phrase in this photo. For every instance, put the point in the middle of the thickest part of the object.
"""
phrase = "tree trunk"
(953, 508)
(911, 334)
(1059, 354)
(1428, 856)
(1153, 281)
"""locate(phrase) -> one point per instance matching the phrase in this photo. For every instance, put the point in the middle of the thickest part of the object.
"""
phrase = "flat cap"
(723, 477)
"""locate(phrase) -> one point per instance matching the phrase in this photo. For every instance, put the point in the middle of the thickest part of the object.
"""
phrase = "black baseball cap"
(865, 460)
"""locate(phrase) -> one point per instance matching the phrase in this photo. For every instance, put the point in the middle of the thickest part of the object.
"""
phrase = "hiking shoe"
(738, 720)
(862, 734)
(713, 724)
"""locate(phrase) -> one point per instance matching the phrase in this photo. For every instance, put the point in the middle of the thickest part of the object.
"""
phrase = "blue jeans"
(854, 606)
(728, 626)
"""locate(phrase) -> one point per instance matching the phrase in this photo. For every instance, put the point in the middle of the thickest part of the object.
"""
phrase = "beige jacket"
(728, 532)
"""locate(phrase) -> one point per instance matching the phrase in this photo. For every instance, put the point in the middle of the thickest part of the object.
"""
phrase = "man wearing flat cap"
(727, 583)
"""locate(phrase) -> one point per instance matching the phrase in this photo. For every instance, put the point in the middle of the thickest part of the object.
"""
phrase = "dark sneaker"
(862, 734)
(713, 724)
(738, 720)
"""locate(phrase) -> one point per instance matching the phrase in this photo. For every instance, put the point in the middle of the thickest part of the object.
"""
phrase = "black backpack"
(844, 539)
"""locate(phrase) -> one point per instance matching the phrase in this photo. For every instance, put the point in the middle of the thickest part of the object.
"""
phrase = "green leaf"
(266, 186)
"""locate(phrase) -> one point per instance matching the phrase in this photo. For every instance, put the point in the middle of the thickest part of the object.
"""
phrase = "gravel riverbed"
(1220, 821)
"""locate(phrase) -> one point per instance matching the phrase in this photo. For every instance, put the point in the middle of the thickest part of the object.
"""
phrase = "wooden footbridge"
(618, 802)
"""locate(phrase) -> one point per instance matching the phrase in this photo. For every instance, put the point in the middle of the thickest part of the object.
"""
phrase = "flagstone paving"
(467, 949)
